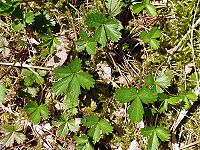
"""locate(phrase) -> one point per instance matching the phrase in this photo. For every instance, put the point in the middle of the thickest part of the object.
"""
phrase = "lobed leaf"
(105, 126)
(162, 134)
(113, 7)
(85, 80)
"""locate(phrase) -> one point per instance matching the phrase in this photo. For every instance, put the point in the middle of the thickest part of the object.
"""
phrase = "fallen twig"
(17, 64)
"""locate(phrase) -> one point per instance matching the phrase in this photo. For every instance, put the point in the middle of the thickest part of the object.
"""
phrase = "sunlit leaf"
(136, 111)
(3, 91)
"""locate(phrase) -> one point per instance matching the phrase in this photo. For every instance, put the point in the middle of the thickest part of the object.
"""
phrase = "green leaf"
(83, 143)
(96, 136)
(113, 7)
(35, 111)
(105, 126)
(173, 100)
(44, 111)
(83, 35)
(147, 96)
(71, 79)
(3, 91)
(73, 90)
(151, 9)
(91, 120)
(100, 36)
(29, 17)
(155, 33)
(186, 104)
(125, 95)
(56, 42)
(145, 36)
(62, 72)
(81, 140)
(164, 106)
(91, 48)
(112, 28)
(46, 43)
(136, 111)
(137, 7)
(72, 125)
(154, 43)
(163, 79)
(94, 20)
(62, 130)
(107, 28)
(31, 77)
(153, 142)
(75, 65)
(85, 80)
(64, 126)
(191, 96)
(18, 26)
(86, 43)
(146, 1)
(11, 135)
(162, 134)
(39, 79)
(61, 86)
(147, 131)
(149, 80)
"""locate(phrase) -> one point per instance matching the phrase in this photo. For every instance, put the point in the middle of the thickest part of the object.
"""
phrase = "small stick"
(17, 64)
(191, 144)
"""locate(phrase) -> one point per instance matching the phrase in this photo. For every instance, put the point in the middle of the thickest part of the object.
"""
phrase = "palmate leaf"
(64, 126)
(82, 143)
(107, 28)
(35, 111)
(31, 77)
(136, 109)
(187, 98)
(139, 6)
(151, 37)
(3, 91)
(98, 127)
(113, 7)
(70, 80)
(86, 43)
(11, 135)
(153, 134)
